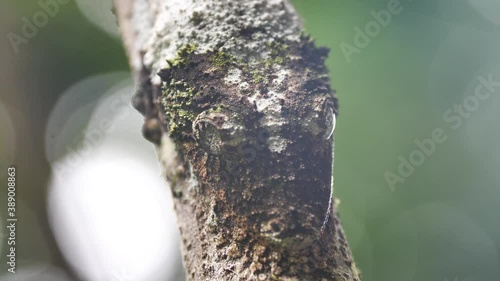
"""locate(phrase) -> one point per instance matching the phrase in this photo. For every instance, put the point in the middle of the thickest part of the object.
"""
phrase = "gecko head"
(258, 136)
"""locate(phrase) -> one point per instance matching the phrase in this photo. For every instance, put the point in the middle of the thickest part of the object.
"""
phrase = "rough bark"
(237, 100)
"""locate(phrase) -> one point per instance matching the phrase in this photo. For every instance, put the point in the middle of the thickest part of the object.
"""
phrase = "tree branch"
(238, 102)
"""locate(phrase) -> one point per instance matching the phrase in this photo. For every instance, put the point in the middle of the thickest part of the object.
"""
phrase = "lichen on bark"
(238, 101)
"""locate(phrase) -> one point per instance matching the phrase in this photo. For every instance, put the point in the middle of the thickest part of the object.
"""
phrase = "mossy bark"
(244, 130)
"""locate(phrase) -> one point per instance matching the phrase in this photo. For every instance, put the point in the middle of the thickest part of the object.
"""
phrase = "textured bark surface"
(238, 102)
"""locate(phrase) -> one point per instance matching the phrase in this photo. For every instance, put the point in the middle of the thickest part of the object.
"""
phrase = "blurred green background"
(441, 223)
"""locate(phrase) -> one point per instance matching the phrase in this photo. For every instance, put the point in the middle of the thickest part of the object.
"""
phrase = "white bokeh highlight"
(109, 206)
(113, 220)
(100, 13)
(70, 115)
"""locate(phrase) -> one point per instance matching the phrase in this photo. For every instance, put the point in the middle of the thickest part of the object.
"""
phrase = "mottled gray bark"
(238, 102)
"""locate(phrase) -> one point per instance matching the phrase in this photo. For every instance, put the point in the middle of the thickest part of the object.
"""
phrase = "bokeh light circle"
(100, 13)
(112, 214)
(70, 115)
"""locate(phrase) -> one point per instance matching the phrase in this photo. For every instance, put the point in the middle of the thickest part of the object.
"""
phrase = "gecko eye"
(331, 123)
(321, 120)
(206, 131)
(214, 131)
